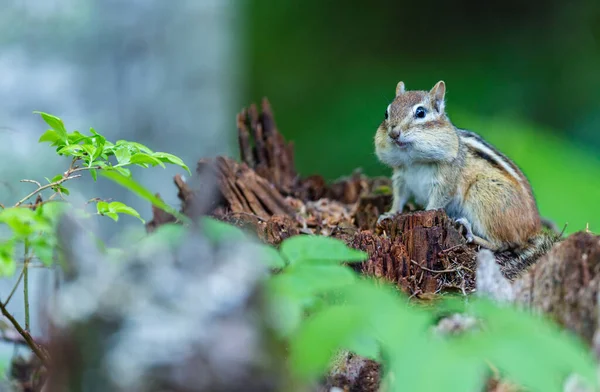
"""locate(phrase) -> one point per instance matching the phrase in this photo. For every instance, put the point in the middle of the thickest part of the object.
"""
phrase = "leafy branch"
(33, 226)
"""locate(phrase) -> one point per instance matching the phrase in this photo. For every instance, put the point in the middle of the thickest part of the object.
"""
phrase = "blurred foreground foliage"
(319, 307)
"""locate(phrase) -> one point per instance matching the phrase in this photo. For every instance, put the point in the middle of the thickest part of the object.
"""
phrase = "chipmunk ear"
(400, 88)
(437, 95)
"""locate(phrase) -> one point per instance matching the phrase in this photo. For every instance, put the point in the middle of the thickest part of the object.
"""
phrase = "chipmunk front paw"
(384, 216)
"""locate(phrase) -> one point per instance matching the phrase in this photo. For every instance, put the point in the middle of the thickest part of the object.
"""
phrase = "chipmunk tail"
(515, 262)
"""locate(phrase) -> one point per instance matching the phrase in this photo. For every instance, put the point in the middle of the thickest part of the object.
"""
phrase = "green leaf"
(55, 178)
(77, 137)
(453, 372)
(49, 136)
(7, 260)
(218, 231)
(269, 256)
(302, 281)
(43, 250)
(71, 150)
(56, 124)
(52, 210)
(171, 234)
(19, 219)
(94, 174)
(120, 208)
(90, 150)
(303, 248)
(392, 319)
(320, 336)
(95, 133)
(123, 171)
(284, 314)
(143, 159)
(552, 354)
(142, 192)
(112, 215)
(170, 158)
(123, 156)
(366, 346)
(99, 142)
(64, 190)
(102, 207)
(135, 146)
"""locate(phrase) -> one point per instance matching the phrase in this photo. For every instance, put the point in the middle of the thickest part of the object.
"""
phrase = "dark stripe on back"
(485, 156)
(473, 135)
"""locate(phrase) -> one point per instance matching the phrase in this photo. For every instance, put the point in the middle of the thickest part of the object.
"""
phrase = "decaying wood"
(565, 283)
(271, 231)
(271, 156)
(159, 216)
(422, 252)
(354, 373)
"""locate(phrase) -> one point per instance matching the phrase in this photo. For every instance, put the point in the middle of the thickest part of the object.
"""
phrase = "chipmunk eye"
(420, 112)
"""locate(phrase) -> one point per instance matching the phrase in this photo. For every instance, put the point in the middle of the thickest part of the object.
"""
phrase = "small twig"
(51, 185)
(26, 286)
(564, 228)
(33, 182)
(26, 295)
(79, 169)
(462, 283)
(434, 271)
(15, 287)
(450, 249)
(415, 293)
(30, 342)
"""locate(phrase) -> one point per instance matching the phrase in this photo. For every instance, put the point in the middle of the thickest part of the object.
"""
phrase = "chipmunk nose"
(394, 134)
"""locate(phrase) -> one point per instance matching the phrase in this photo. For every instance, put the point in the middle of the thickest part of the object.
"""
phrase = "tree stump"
(421, 252)
(564, 284)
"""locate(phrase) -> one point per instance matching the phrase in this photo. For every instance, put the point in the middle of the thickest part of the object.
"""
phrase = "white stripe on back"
(502, 162)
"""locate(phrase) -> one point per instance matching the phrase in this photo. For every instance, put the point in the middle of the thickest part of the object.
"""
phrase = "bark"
(564, 285)
(422, 252)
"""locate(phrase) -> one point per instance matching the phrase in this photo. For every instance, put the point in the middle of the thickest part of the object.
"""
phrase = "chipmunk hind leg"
(472, 238)
(495, 209)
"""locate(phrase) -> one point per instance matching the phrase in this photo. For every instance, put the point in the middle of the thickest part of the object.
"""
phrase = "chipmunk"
(444, 167)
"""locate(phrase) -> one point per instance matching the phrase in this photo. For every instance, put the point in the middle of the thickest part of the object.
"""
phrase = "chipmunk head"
(416, 128)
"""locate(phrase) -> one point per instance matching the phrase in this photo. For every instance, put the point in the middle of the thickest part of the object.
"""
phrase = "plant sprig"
(33, 226)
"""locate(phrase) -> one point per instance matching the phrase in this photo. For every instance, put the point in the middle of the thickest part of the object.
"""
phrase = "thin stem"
(33, 182)
(30, 342)
(51, 185)
(15, 287)
(434, 271)
(26, 285)
(79, 169)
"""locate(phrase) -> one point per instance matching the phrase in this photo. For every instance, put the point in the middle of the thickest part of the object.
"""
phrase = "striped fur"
(514, 262)
(488, 152)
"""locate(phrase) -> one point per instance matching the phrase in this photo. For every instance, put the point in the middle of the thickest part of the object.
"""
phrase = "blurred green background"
(526, 76)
